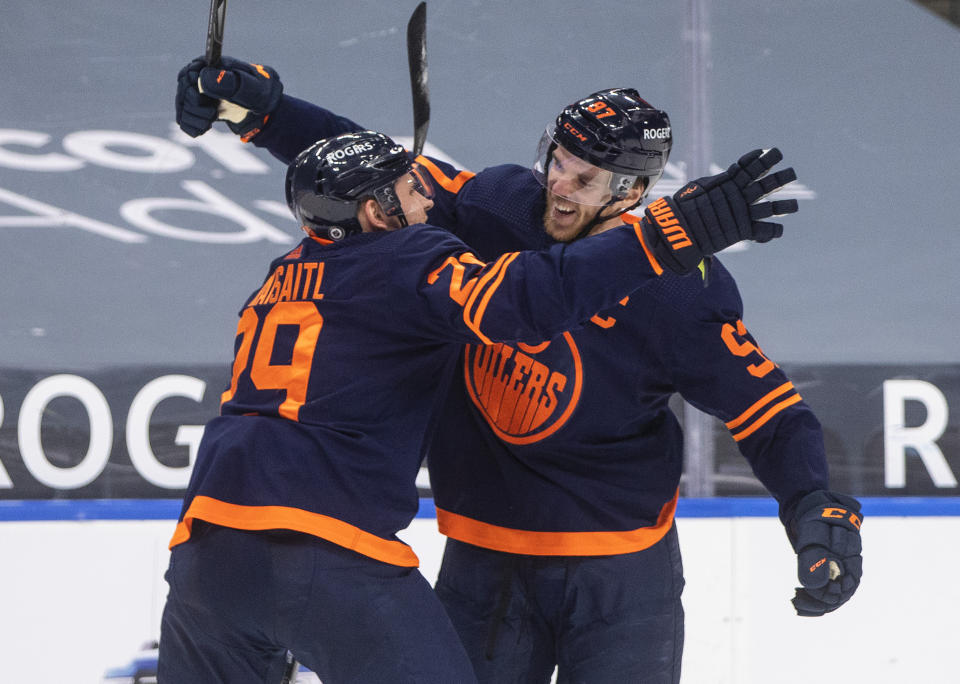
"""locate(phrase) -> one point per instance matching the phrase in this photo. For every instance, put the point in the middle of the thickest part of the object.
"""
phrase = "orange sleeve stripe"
(762, 420)
(450, 184)
(767, 398)
(488, 284)
(491, 287)
(287, 518)
(475, 288)
(635, 222)
(532, 543)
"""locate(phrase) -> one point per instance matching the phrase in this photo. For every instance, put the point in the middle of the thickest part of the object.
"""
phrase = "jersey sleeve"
(721, 369)
(528, 296)
(296, 124)
(448, 181)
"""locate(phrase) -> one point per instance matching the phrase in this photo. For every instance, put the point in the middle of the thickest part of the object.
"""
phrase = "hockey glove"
(711, 213)
(248, 94)
(825, 533)
(195, 111)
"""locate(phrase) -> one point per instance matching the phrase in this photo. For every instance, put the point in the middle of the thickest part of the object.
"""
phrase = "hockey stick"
(417, 56)
(290, 672)
(218, 12)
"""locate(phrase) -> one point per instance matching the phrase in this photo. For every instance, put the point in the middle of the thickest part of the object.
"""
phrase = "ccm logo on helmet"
(356, 148)
(574, 132)
(656, 133)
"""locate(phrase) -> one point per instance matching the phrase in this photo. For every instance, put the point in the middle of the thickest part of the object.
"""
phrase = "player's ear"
(371, 216)
(636, 192)
(631, 198)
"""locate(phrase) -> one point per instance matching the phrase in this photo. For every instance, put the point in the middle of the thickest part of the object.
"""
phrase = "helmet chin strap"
(598, 219)
(390, 204)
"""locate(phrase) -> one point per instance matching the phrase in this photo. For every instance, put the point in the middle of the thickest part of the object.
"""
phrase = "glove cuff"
(820, 498)
(824, 497)
(249, 126)
(665, 232)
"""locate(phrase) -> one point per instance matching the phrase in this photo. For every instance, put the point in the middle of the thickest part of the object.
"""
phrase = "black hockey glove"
(196, 112)
(825, 533)
(248, 93)
(711, 213)
(243, 94)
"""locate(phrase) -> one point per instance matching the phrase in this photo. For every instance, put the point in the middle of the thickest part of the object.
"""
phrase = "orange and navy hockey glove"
(196, 112)
(825, 533)
(711, 213)
(243, 94)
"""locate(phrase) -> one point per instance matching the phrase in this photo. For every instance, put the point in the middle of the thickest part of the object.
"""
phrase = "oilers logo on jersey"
(525, 392)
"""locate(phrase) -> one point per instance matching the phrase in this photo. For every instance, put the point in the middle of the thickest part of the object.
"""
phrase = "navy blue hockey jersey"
(339, 364)
(568, 446)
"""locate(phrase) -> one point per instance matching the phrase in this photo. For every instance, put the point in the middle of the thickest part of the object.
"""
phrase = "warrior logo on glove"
(714, 212)
(669, 225)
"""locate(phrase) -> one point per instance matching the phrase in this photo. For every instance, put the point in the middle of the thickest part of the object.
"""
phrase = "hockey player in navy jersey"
(287, 536)
(556, 465)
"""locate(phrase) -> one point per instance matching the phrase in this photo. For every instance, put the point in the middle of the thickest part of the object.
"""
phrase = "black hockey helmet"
(327, 181)
(615, 130)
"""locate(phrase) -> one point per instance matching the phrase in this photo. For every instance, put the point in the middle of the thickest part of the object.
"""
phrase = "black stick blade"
(417, 56)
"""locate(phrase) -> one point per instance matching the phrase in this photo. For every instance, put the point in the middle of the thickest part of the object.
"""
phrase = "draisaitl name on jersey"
(291, 283)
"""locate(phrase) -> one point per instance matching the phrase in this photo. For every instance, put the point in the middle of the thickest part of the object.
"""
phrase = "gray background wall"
(862, 96)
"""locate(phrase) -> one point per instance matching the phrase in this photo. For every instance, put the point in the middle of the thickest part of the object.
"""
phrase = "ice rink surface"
(80, 597)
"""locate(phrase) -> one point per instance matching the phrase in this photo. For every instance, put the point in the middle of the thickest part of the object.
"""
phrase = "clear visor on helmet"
(574, 179)
(421, 180)
(417, 180)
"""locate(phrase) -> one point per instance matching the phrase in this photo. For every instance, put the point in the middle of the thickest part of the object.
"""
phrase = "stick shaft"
(218, 13)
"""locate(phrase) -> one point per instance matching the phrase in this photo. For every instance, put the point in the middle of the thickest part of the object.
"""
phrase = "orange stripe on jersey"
(756, 424)
(532, 543)
(475, 285)
(488, 284)
(287, 518)
(759, 423)
(770, 396)
(635, 222)
(450, 184)
(296, 253)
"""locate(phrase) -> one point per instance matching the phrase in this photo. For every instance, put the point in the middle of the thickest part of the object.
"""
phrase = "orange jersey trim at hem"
(532, 543)
(287, 518)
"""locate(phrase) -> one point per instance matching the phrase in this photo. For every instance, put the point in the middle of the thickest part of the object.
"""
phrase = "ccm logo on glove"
(855, 519)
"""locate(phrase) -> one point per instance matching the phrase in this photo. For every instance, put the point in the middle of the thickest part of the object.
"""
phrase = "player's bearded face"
(579, 194)
(563, 219)
(568, 179)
